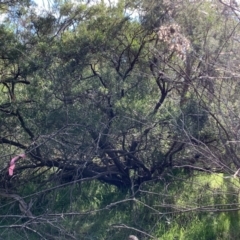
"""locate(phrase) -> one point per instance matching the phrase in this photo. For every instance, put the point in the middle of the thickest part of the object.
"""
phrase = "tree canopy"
(120, 97)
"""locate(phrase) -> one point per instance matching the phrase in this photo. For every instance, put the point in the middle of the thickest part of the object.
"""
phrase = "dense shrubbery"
(128, 114)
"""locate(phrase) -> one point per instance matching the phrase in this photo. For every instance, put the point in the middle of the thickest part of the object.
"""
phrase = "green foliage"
(193, 118)
(129, 116)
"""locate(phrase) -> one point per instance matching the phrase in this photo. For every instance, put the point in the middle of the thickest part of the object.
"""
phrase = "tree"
(124, 93)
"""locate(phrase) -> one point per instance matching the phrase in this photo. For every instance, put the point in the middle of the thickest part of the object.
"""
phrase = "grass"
(204, 206)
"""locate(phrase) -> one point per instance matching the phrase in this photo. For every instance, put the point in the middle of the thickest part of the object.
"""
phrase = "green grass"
(203, 206)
